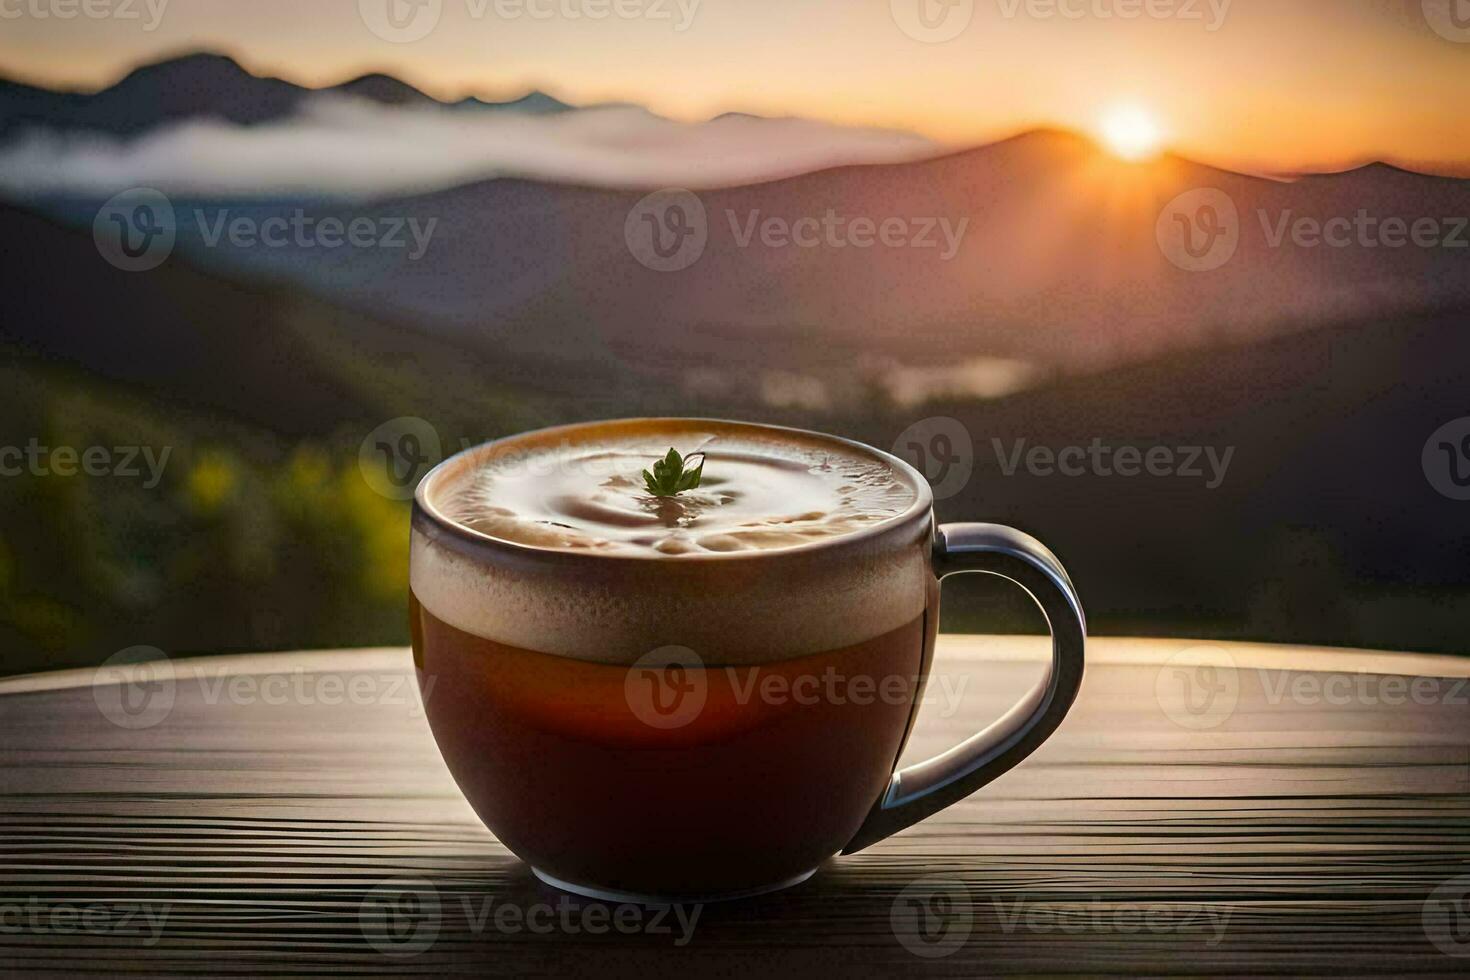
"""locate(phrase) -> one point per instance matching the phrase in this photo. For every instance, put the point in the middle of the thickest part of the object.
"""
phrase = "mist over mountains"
(209, 86)
(202, 125)
(999, 266)
(1004, 260)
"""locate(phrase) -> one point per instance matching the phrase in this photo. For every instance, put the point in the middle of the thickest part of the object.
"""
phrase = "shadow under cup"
(692, 726)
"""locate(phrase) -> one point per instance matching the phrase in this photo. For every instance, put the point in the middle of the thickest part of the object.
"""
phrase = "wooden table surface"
(1304, 811)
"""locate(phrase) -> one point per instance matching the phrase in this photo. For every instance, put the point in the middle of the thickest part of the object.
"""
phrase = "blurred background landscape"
(498, 286)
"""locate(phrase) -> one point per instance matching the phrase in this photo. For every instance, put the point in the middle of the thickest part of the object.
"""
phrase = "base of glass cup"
(636, 898)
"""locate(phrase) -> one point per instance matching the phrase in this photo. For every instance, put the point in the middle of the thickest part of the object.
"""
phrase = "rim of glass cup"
(921, 507)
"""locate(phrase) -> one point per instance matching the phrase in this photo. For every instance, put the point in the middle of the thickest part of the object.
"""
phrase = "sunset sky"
(1273, 84)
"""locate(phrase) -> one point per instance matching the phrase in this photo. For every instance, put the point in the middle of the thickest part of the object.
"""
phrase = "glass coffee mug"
(711, 717)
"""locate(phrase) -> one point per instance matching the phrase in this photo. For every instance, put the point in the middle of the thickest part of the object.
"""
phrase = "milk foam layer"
(755, 495)
(727, 570)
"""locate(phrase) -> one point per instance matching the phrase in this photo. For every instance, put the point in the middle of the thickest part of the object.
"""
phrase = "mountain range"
(210, 86)
(204, 125)
(1059, 257)
(1057, 264)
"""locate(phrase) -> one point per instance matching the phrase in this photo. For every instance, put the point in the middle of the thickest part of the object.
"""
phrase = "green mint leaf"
(690, 480)
(669, 477)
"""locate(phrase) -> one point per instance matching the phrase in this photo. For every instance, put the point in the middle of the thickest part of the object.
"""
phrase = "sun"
(1131, 132)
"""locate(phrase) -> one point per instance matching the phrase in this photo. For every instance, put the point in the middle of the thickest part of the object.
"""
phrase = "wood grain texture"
(1300, 831)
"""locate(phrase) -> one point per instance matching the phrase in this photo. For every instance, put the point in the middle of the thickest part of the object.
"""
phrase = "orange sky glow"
(1270, 85)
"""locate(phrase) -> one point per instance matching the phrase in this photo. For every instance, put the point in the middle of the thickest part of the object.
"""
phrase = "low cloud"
(344, 147)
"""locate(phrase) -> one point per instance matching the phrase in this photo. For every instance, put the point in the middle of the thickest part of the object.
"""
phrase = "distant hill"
(261, 355)
(204, 85)
(1056, 262)
(1323, 528)
(1056, 256)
